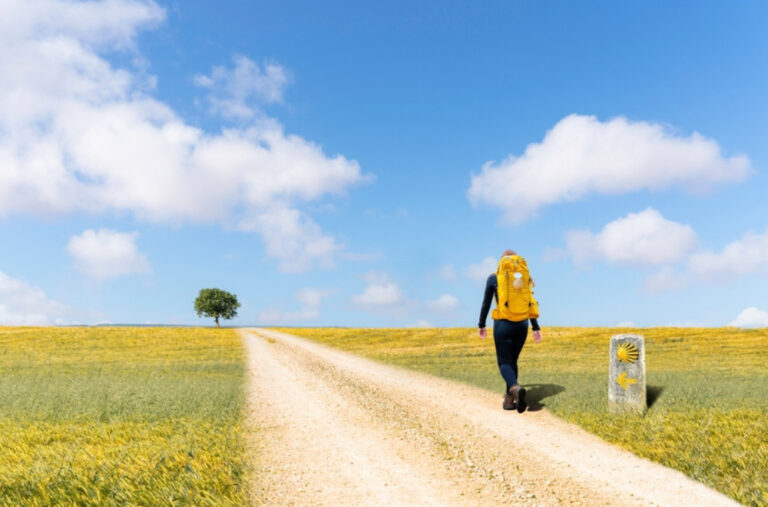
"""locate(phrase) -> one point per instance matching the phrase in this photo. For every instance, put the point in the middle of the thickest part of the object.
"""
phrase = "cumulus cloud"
(423, 323)
(750, 318)
(444, 304)
(105, 23)
(311, 300)
(644, 238)
(238, 92)
(482, 270)
(740, 258)
(380, 292)
(106, 254)
(581, 155)
(79, 135)
(22, 304)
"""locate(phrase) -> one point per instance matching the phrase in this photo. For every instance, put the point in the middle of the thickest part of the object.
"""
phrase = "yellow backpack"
(515, 299)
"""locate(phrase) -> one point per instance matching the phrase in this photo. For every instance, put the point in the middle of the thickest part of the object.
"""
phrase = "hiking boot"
(509, 402)
(518, 397)
(521, 404)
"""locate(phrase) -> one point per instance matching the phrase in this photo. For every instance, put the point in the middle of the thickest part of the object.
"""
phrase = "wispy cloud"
(447, 272)
(310, 298)
(446, 303)
(744, 257)
(238, 92)
(482, 270)
(22, 304)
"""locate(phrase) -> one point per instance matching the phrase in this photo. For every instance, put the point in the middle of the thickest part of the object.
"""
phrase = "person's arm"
(490, 292)
(536, 330)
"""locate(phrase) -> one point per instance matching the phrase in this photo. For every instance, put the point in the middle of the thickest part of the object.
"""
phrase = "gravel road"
(331, 428)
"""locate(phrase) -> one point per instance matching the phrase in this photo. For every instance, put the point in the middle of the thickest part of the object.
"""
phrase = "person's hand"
(537, 336)
(482, 332)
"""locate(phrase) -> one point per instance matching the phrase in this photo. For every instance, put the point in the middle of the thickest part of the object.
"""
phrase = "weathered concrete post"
(626, 380)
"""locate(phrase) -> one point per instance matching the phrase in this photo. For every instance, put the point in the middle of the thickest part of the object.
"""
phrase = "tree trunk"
(217, 322)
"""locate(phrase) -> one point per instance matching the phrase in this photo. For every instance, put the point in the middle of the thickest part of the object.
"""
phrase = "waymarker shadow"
(652, 394)
(535, 393)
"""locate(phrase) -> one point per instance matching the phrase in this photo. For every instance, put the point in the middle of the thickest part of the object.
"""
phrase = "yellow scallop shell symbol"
(627, 353)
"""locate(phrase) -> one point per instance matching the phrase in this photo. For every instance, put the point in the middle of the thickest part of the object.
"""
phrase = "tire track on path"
(332, 428)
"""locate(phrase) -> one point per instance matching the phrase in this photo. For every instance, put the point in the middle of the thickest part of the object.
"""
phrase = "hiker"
(512, 288)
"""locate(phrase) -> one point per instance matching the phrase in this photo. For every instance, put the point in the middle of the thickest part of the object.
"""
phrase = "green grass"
(709, 387)
(121, 416)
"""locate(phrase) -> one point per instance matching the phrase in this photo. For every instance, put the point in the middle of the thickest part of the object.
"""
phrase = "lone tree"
(216, 303)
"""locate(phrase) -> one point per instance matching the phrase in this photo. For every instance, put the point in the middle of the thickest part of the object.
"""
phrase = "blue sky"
(365, 164)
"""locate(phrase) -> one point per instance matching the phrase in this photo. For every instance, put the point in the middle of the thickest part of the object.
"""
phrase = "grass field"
(708, 388)
(121, 416)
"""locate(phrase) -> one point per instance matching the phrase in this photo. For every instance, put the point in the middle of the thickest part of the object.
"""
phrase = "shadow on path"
(652, 394)
(535, 393)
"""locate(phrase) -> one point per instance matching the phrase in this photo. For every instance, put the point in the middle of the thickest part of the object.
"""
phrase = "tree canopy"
(216, 303)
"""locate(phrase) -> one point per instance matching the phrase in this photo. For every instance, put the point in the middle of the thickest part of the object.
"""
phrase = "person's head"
(508, 252)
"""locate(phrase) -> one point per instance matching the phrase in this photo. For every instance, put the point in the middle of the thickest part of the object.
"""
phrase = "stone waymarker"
(626, 381)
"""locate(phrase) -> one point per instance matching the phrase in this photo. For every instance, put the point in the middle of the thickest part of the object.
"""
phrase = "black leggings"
(509, 338)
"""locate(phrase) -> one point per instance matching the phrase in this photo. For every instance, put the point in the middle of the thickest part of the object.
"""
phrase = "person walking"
(512, 288)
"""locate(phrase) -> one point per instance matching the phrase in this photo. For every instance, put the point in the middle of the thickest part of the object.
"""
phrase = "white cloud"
(482, 270)
(106, 254)
(237, 93)
(445, 304)
(294, 238)
(22, 304)
(313, 297)
(743, 257)
(311, 300)
(423, 323)
(380, 292)
(748, 255)
(382, 296)
(79, 135)
(751, 317)
(626, 323)
(106, 23)
(644, 238)
(582, 155)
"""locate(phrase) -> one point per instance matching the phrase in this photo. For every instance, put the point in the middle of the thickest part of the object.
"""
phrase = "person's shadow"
(536, 393)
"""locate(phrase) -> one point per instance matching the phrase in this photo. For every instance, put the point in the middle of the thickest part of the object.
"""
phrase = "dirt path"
(332, 428)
